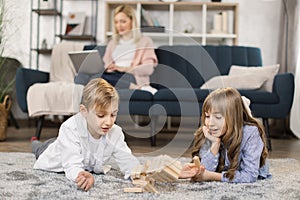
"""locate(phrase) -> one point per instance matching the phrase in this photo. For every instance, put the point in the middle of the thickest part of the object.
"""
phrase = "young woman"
(129, 52)
(231, 143)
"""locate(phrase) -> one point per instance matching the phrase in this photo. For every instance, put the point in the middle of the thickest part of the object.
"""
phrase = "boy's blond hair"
(99, 94)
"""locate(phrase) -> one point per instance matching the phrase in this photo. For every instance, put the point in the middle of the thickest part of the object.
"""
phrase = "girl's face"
(215, 123)
(100, 122)
(123, 23)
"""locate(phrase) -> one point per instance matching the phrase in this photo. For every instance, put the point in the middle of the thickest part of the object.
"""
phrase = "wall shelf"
(78, 37)
(41, 15)
(173, 15)
(51, 12)
(43, 51)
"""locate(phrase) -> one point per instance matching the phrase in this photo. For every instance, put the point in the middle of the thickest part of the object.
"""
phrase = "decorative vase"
(4, 111)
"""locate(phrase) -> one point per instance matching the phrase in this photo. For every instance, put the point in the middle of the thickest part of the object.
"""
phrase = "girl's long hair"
(229, 103)
(130, 12)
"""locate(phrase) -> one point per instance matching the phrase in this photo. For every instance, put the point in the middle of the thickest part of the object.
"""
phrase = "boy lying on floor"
(87, 140)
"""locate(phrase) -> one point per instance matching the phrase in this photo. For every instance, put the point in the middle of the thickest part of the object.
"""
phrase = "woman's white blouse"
(124, 53)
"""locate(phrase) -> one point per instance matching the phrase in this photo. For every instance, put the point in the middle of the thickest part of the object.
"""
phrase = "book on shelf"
(150, 23)
(220, 25)
(147, 19)
(75, 23)
(47, 4)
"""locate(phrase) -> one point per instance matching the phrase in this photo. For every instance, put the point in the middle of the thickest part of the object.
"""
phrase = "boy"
(87, 140)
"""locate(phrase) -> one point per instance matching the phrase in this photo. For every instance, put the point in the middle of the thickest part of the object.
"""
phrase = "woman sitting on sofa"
(129, 52)
(129, 57)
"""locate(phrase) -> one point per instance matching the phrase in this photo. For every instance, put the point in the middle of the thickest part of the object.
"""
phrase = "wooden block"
(167, 176)
(133, 189)
(176, 167)
(139, 182)
(146, 185)
(170, 173)
(150, 180)
(150, 188)
(196, 160)
(157, 177)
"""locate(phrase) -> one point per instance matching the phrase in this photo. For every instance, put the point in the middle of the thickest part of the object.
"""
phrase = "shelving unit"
(92, 36)
(175, 15)
(38, 14)
(37, 11)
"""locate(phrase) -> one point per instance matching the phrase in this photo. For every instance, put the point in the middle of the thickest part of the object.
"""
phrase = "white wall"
(17, 30)
(258, 26)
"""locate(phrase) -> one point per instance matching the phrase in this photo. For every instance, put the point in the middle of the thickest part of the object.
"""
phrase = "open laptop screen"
(89, 62)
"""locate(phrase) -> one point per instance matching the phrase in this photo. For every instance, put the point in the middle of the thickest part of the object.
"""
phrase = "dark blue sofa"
(184, 97)
(181, 71)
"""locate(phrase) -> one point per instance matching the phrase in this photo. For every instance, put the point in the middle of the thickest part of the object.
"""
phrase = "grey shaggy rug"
(19, 181)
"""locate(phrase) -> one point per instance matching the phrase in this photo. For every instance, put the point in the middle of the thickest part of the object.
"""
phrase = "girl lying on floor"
(231, 143)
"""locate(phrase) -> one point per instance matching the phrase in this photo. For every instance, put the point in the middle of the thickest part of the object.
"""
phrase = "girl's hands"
(207, 176)
(190, 170)
(85, 180)
(215, 141)
(209, 136)
(199, 177)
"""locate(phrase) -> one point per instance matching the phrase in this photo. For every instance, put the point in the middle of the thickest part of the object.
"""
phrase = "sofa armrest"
(24, 79)
(284, 87)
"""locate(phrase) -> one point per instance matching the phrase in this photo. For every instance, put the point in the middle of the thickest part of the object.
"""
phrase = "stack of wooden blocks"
(160, 169)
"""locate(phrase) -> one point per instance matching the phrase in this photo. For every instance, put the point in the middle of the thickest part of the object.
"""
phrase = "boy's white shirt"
(70, 152)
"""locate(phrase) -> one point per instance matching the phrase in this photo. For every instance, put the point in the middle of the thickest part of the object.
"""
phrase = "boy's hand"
(85, 180)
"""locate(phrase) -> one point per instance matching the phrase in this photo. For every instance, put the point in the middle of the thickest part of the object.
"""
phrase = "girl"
(231, 143)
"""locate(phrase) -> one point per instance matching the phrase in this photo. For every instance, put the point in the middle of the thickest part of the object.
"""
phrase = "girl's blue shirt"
(249, 158)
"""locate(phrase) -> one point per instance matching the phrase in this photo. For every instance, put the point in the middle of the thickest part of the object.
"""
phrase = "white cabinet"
(183, 21)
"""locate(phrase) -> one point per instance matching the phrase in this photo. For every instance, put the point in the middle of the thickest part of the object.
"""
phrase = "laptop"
(89, 61)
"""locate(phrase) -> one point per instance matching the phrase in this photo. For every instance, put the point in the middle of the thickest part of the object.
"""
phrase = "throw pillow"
(245, 82)
(267, 71)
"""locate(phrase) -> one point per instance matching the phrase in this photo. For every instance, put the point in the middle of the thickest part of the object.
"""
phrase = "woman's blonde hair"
(229, 103)
(99, 94)
(130, 12)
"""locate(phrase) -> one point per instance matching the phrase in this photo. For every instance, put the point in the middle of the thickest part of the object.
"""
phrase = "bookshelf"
(91, 36)
(39, 11)
(48, 22)
(177, 17)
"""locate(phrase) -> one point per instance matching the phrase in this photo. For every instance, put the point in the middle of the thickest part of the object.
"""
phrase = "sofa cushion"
(225, 56)
(180, 94)
(268, 71)
(260, 97)
(194, 64)
(244, 81)
(134, 95)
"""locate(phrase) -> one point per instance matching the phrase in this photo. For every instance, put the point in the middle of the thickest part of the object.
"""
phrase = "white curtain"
(295, 111)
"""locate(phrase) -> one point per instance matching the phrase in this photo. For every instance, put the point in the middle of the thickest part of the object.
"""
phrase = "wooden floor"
(170, 141)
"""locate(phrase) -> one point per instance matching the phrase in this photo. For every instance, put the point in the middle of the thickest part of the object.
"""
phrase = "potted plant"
(6, 83)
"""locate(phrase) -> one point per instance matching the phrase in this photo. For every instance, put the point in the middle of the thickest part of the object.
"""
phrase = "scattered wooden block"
(162, 169)
(137, 171)
(133, 189)
(146, 184)
(196, 160)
